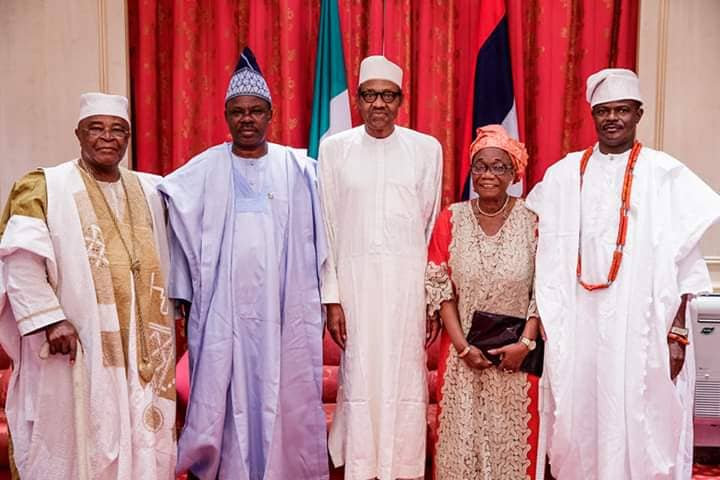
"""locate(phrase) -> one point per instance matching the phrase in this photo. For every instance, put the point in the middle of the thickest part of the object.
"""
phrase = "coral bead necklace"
(623, 223)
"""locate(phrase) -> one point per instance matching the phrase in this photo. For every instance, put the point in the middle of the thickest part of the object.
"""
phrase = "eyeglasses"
(255, 113)
(388, 96)
(498, 169)
(118, 133)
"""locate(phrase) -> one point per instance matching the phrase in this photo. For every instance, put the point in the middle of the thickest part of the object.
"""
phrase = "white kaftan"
(60, 266)
(617, 414)
(380, 197)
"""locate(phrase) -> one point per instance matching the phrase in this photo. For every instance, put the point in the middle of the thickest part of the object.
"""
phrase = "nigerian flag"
(331, 104)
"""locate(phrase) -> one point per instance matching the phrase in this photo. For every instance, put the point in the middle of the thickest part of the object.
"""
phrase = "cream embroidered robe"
(380, 199)
(614, 411)
(58, 231)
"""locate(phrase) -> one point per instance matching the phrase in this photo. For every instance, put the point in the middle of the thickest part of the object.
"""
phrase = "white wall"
(51, 51)
(679, 68)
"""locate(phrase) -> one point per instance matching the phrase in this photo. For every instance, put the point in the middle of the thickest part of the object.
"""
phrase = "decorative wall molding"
(678, 76)
(103, 67)
(44, 82)
(661, 73)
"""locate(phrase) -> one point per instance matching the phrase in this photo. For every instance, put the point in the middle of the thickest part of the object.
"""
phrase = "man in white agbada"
(380, 188)
(83, 313)
(617, 259)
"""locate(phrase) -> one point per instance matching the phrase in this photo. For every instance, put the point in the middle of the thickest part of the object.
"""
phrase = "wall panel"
(51, 52)
(679, 67)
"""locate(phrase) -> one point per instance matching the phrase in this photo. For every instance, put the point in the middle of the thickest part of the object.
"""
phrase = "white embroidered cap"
(612, 84)
(377, 67)
(103, 104)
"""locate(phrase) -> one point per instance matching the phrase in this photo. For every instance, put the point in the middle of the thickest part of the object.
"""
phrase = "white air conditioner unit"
(705, 313)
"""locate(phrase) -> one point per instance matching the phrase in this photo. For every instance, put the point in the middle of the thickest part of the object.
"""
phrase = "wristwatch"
(530, 344)
(683, 332)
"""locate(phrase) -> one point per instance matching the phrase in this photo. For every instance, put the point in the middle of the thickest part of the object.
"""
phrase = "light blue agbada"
(247, 257)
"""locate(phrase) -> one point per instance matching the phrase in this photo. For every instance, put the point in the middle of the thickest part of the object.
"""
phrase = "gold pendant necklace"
(493, 214)
(145, 368)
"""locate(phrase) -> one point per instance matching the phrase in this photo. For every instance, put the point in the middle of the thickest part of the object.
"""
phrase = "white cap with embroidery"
(613, 84)
(377, 67)
(103, 104)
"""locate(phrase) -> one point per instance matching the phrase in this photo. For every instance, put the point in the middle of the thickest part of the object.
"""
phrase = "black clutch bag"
(492, 330)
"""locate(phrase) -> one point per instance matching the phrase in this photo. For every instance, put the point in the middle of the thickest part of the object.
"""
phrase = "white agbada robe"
(380, 197)
(616, 414)
(45, 276)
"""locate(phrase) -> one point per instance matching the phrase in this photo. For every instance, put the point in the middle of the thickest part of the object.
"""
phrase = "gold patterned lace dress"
(484, 421)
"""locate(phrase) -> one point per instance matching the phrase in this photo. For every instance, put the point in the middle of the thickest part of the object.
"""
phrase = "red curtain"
(555, 47)
(182, 53)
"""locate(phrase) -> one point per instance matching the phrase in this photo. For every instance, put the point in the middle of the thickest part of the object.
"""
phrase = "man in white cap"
(84, 314)
(617, 260)
(380, 188)
(247, 243)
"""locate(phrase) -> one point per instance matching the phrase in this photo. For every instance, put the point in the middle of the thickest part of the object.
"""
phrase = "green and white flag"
(331, 104)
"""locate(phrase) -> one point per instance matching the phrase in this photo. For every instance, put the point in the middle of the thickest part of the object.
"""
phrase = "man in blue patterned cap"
(246, 248)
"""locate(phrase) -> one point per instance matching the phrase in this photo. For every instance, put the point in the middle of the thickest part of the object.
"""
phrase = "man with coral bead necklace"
(617, 261)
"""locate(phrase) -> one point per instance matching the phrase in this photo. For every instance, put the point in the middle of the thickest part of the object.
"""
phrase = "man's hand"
(62, 338)
(677, 345)
(475, 359)
(432, 329)
(511, 356)
(336, 323)
(677, 358)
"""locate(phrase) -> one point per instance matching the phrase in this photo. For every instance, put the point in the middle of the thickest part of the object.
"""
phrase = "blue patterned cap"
(248, 79)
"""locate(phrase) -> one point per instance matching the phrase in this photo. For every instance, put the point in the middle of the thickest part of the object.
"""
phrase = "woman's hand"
(511, 356)
(475, 359)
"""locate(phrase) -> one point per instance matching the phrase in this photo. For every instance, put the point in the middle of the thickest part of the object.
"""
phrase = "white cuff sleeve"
(31, 297)
(329, 291)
